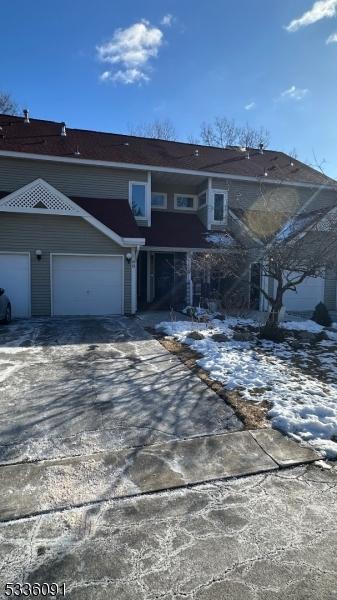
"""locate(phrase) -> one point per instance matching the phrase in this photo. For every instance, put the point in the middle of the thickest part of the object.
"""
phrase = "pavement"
(123, 476)
(74, 386)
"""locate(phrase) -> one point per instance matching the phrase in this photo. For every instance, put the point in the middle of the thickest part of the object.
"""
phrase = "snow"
(308, 325)
(302, 404)
(222, 240)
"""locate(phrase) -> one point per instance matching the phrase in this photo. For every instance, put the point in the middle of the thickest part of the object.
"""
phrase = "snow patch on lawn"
(302, 405)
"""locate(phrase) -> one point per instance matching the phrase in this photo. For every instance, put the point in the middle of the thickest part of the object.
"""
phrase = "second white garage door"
(87, 285)
(309, 293)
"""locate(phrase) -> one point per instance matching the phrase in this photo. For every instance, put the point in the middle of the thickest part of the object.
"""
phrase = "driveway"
(72, 386)
(78, 396)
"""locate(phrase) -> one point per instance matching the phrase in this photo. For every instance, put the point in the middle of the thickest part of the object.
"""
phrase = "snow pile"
(301, 405)
(308, 325)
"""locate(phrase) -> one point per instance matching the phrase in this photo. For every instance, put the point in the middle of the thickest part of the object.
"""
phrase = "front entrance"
(162, 280)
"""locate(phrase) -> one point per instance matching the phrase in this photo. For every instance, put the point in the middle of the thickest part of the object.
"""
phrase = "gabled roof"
(43, 138)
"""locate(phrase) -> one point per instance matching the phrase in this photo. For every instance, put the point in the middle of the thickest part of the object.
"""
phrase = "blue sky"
(107, 65)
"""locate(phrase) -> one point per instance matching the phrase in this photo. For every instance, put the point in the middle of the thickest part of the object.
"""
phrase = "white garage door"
(15, 278)
(87, 285)
(309, 293)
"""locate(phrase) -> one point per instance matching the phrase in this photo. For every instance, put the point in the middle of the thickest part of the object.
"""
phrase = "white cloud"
(322, 9)
(167, 20)
(130, 49)
(250, 106)
(332, 39)
(294, 93)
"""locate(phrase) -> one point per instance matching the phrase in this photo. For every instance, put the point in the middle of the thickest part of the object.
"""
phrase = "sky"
(112, 65)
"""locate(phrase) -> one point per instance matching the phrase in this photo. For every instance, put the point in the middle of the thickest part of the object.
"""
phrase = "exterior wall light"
(128, 256)
(38, 254)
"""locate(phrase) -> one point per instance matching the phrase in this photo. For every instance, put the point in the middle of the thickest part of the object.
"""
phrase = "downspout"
(134, 257)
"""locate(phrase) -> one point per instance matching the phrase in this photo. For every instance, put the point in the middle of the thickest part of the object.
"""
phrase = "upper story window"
(219, 207)
(158, 200)
(137, 199)
(184, 201)
(202, 199)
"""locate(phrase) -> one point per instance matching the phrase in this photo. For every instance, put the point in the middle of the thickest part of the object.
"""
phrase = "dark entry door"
(164, 279)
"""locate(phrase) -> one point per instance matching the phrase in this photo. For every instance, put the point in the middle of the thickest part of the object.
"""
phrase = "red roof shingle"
(44, 138)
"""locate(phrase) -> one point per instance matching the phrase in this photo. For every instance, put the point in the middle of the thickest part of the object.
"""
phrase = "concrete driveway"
(72, 386)
(85, 400)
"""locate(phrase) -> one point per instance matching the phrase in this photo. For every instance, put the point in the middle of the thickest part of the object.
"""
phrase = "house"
(101, 223)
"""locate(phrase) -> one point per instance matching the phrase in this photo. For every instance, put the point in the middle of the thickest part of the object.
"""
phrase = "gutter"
(139, 167)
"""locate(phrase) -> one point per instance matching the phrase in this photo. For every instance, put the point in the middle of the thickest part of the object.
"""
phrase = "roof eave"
(156, 168)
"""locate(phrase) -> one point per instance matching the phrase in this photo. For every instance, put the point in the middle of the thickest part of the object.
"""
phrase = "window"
(184, 202)
(158, 200)
(138, 199)
(219, 206)
(202, 199)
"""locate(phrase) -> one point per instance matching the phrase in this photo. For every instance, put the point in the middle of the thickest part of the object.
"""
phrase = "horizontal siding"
(258, 196)
(72, 180)
(27, 233)
(330, 289)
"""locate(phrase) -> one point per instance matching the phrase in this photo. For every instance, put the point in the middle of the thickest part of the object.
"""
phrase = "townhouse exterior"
(99, 223)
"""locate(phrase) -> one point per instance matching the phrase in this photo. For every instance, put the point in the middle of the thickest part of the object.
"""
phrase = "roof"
(44, 138)
(279, 225)
(169, 229)
(115, 214)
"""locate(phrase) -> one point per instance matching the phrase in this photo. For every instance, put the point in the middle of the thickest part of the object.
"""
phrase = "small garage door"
(15, 278)
(308, 294)
(87, 285)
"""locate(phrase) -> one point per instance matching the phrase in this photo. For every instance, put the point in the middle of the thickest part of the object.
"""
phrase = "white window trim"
(147, 199)
(165, 201)
(194, 198)
(224, 193)
(205, 191)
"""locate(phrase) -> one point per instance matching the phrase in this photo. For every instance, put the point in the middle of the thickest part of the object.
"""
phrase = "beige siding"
(27, 233)
(72, 180)
(330, 289)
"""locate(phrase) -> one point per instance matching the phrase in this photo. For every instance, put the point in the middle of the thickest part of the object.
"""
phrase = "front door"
(164, 279)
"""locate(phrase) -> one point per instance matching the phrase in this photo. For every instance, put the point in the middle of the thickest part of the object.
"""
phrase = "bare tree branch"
(8, 106)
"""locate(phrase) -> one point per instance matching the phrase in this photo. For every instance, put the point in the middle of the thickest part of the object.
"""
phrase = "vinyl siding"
(258, 196)
(330, 289)
(71, 180)
(27, 233)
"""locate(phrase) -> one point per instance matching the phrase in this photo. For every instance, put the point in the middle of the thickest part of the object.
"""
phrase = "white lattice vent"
(39, 195)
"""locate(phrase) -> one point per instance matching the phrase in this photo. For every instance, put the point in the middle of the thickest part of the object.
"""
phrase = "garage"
(15, 279)
(87, 284)
(309, 293)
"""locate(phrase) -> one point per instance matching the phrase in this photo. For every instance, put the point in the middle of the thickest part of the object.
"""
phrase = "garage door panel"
(87, 285)
(309, 293)
(15, 278)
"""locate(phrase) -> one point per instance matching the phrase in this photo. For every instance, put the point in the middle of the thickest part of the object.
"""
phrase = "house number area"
(38, 590)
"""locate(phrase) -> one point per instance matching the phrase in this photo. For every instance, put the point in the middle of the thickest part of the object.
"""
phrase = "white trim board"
(139, 167)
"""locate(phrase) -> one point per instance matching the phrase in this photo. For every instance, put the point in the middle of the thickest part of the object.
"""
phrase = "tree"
(7, 104)
(304, 246)
(159, 129)
(225, 132)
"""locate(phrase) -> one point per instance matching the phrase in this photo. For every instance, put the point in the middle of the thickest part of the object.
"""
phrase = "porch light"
(128, 256)
(38, 254)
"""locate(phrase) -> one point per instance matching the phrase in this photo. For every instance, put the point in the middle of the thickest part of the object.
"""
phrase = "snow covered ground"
(298, 379)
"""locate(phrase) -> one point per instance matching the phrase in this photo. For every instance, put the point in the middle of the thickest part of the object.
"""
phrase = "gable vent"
(39, 195)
